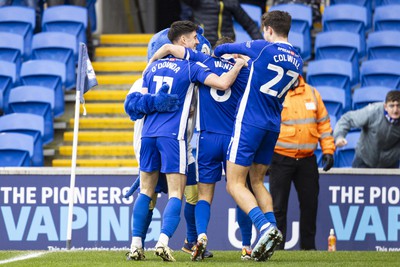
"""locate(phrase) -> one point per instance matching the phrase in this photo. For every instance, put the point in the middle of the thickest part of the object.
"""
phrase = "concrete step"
(102, 150)
(106, 95)
(103, 123)
(123, 51)
(101, 136)
(106, 162)
(134, 39)
(104, 108)
(119, 66)
(118, 79)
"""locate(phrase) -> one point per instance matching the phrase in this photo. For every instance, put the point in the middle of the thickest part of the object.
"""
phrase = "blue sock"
(190, 222)
(257, 217)
(148, 221)
(171, 216)
(139, 213)
(270, 217)
(245, 225)
(202, 216)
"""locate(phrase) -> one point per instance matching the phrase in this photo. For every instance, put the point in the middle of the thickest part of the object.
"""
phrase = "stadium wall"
(362, 205)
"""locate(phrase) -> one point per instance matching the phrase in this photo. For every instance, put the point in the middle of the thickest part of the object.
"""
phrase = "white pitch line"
(23, 257)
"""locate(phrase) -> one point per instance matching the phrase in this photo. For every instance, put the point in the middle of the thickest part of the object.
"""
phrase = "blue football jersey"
(217, 108)
(180, 75)
(274, 69)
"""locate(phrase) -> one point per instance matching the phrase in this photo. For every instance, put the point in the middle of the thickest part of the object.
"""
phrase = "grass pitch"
(221, 258)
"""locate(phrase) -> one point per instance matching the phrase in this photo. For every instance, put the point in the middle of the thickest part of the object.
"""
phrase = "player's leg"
(245, 227)
(149, 165)
(191, 196)
(140, 216)
(174, 159)
(271, 237)
(241, 154)
(211, 152)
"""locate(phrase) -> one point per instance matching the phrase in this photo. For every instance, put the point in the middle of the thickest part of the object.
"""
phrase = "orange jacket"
(305, 121)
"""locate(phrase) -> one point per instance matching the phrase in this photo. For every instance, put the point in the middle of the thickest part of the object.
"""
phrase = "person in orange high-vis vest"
(304, 123)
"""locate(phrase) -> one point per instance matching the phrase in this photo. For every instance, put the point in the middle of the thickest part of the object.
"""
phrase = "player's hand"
(164, 102)
(327, 161)
(340, 142)
(241, 62)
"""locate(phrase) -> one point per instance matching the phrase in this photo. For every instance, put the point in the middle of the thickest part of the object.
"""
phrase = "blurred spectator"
(379, 143)
(216, 17)
(260, 3)
(82, 3)
(305, 122)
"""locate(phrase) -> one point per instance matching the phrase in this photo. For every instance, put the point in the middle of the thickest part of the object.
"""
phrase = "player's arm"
(178, 51)
(225, 81)
(250, 49)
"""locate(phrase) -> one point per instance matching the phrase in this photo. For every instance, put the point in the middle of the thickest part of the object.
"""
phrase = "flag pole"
(80, 84)
(73, 169)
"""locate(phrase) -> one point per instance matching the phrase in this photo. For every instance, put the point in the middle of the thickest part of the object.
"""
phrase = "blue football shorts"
(251, 144)
(165, 154)
(211, 156)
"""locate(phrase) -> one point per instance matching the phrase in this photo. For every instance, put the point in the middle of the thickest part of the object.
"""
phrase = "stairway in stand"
(106, 133)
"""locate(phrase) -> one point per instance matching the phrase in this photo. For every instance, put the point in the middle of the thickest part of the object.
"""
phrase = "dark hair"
(179, 28)
(223, 40)
(279, 21)
(393, 96)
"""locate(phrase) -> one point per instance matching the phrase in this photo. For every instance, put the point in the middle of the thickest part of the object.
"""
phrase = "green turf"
(221, 258)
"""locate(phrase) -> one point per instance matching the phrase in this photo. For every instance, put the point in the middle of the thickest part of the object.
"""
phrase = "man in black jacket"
(215, 16)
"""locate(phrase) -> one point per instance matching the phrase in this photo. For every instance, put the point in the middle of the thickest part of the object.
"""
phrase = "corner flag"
(86, 77)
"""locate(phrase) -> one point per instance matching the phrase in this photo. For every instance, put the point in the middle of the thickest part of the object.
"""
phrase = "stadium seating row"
(34, 72)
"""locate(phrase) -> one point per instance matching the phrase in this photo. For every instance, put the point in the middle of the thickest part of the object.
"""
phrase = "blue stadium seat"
(345, 155)
(30, 124)
(66, 18)
(255, 13)
(345, 17)
(340, 45)
(8, 77)
(380, 72)
(19, 20)
(386, 2)
(386, 18)
(12, 49)
(301, 22)
(35, 100)
(297, 40)
(16, 150)
(57, 46)
(334, 100)
(331, 72)
(383, 45)
(364, 3)
(365, 95)
(47, 73)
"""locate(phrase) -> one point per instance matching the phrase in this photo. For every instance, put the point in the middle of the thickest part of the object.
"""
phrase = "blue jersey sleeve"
(198, 72)
(250, 48)
(195, 55)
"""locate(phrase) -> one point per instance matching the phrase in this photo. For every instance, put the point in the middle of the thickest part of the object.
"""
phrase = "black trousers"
(305, 177)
